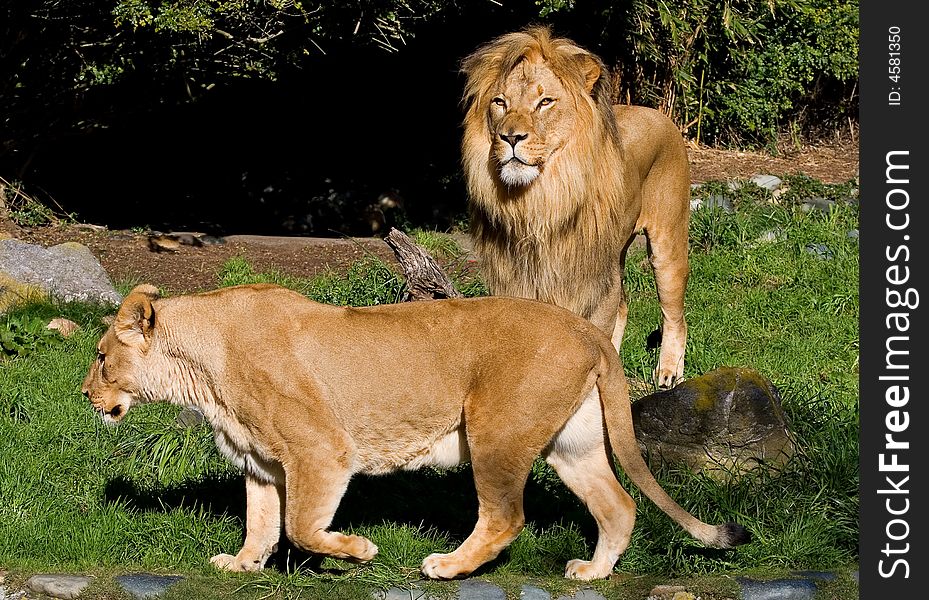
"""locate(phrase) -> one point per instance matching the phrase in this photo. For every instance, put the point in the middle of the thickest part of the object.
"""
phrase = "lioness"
(559, 182)
(302, 395)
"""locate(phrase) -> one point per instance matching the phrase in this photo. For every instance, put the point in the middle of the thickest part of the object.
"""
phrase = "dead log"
(425, 280)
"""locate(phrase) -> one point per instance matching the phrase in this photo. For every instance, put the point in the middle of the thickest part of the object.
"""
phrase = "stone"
(144, 585)
(715, 201)
(58, 585)
(473, 589)
(771, 236)
(65, 327)
(190, 417)
(722, 423)
(820, 204)
(531, 592)
(817, 575)
(396, 593)
(777, 589)
(820, 251)
(768, 182)
(67, 272)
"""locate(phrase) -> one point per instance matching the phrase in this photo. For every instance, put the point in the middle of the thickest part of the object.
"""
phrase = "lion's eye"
(499, 102)
(545, 102)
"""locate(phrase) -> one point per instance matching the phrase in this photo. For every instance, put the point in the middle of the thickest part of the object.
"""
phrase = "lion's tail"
(614, 395)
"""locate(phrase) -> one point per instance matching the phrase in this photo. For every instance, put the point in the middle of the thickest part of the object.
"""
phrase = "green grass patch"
(150, 494)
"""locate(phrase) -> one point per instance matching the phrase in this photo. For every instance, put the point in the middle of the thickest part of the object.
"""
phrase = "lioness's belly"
(449, 450)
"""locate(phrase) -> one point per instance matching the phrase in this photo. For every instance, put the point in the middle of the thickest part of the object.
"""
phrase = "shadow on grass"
(445, 501)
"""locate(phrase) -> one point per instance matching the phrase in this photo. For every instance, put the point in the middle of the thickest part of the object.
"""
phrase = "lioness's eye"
(101, 356)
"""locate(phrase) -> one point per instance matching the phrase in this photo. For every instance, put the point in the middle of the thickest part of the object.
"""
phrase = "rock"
(777, 589)
(190, 417)
(771, 236)
(57, 585)
(715, 201)
(396, 593)
(530, 592)
(820, 204)
(143, 585)
(768, 182)
(819, 251)
(63, 326)
(473, 589)
(723, 423)
(852, 234)
(67, 272)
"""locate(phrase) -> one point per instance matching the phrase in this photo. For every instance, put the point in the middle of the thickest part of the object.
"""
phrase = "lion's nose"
(512, 138)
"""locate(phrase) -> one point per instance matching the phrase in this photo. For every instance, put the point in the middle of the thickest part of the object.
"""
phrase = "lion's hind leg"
(590, 476)
(500, 479)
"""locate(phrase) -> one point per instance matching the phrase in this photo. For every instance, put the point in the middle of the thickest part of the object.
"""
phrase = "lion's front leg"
(670, 262)
(264, 508)
(315, 486)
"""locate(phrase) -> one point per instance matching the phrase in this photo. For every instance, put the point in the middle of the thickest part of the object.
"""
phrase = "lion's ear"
(136, 317)
(592, 70)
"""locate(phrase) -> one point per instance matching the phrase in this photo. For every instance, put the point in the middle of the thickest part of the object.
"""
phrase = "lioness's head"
(110, 384)
(530, 95)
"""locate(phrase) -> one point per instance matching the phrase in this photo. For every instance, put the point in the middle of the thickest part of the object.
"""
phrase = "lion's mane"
(555, 239)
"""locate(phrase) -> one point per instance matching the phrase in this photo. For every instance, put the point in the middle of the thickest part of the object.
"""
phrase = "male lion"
(560, 181)
(303, 395)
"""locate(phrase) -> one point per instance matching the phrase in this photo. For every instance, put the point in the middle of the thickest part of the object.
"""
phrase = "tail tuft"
(731, 535)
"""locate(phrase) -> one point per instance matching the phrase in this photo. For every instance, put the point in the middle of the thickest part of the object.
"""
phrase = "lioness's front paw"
(585, 570)
(442, 566)
(363, 549)
(227, 562)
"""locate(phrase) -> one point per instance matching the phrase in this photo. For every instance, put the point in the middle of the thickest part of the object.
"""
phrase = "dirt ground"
(128, 257)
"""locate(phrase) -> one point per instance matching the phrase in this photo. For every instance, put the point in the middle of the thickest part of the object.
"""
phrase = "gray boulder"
(722, 423)
(67, 272)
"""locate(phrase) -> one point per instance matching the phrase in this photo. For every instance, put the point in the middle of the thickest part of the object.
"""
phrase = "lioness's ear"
(136, 316)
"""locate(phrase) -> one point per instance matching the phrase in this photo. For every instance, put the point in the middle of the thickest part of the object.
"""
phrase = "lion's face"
(110, 384)
(530, 118)
(106, 384)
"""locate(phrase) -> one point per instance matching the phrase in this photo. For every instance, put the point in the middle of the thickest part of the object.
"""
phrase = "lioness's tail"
(617, 411)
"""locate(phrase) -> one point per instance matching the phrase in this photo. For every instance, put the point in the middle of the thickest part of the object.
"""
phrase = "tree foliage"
(737, 71)
(230, 85)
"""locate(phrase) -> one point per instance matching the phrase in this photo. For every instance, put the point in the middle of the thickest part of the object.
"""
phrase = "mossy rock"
(722, 423)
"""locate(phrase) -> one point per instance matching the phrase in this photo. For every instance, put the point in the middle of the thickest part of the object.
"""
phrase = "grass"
(149, 494)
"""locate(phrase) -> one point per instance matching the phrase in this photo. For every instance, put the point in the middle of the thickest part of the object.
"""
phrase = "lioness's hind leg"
(314, 490)
(590, 476)
(264, 504)
(668, 255)
(500, 516)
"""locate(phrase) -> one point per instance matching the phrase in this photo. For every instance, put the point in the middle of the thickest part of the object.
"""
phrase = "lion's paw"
(585, 570)
(441, 566)
(227, 562)
(366, 551)
(666, 378)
